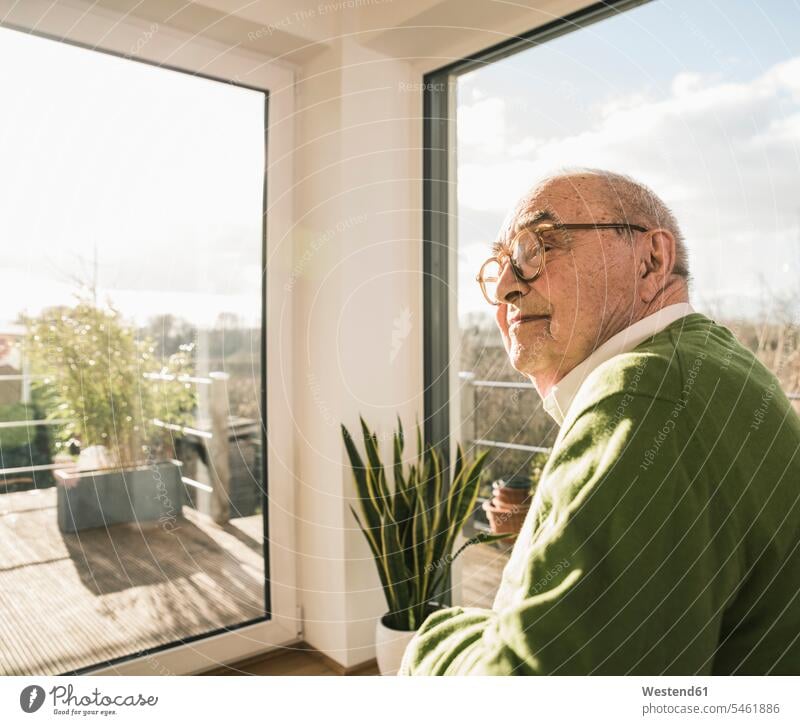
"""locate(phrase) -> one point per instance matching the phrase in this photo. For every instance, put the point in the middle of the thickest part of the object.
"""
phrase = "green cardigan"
(663, 537)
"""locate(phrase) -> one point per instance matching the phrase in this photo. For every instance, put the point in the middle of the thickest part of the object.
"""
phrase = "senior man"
(663, 537)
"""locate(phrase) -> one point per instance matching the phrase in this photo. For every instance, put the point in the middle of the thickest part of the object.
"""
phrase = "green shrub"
(90, 371)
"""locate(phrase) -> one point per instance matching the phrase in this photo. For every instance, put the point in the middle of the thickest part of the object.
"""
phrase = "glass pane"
(713, 129)
(131, 490)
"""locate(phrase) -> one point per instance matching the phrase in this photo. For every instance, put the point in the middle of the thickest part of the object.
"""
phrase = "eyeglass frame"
(536, 229)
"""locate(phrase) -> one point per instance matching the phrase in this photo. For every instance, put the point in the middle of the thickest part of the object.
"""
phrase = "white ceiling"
(297, 30)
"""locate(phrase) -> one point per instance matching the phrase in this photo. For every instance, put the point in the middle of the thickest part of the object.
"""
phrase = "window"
(132, 396)
(712, 128)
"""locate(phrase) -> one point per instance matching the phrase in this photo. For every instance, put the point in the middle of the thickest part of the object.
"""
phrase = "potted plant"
(509, 505)
(411, 528)
(96, 376)
(511, 499)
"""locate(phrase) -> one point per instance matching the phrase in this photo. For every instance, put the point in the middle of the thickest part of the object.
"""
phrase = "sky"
(699, 100)
(160, 172)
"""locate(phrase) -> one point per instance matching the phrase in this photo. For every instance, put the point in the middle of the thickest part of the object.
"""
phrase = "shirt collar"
(560, 397)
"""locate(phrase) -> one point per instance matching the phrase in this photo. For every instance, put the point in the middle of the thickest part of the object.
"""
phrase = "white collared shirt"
(561, 395)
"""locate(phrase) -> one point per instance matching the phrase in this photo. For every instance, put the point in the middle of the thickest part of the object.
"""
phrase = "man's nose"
(509, 288)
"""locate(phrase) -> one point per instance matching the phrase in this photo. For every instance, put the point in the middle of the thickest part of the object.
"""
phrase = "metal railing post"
(467, 408)
(219, 459)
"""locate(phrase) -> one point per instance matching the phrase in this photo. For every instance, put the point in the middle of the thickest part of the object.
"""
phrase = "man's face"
(585, 293)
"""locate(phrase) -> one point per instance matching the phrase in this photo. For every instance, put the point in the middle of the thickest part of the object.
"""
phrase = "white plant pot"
(390, 644)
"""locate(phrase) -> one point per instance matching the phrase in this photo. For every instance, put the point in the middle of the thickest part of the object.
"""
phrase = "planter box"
(90, 499)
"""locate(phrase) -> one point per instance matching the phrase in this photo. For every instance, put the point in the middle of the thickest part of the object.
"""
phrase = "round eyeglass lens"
(490, 276)
(527, 254)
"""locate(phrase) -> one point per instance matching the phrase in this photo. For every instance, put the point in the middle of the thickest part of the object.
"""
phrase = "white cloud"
(699, 131)
(785, 75)
(684, 83)
(481, 125)
(724, 155)
(528, 145)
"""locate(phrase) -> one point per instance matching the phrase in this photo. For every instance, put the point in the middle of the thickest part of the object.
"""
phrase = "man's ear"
(656, 262)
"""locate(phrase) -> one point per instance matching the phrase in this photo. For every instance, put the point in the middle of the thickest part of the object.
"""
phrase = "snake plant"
(412, 526)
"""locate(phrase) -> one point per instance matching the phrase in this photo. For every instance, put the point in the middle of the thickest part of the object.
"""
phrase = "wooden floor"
(69, 601)
(300, 660)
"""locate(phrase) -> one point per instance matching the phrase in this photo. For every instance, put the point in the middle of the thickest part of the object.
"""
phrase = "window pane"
(131, 490)
(711, 124)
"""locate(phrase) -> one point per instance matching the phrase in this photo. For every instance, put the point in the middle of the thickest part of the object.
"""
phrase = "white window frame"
(100, 30)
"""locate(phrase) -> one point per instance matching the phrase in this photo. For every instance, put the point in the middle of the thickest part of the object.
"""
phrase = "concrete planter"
(90, 499)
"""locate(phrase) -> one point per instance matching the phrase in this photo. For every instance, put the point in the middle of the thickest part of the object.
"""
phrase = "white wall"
(358, 322)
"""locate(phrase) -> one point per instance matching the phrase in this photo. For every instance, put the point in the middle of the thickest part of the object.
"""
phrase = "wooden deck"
(69, 601)
(481, 572)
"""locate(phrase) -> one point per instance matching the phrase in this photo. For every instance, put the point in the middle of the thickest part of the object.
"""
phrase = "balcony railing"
(468, 388)
(214, 437)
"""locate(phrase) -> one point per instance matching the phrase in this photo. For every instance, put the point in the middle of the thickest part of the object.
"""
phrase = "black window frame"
(439, 180)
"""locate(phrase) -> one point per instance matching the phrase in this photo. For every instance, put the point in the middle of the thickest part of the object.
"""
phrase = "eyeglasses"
(527, 254)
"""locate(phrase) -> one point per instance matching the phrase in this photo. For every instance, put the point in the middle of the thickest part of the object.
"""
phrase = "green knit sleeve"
(616, 571)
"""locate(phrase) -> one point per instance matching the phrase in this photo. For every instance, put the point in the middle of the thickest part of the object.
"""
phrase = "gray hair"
(634, 203)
